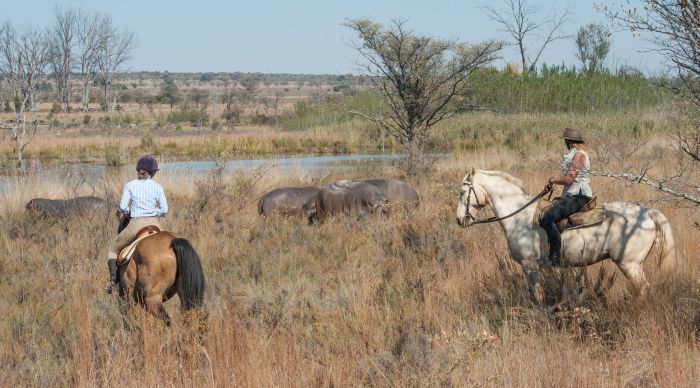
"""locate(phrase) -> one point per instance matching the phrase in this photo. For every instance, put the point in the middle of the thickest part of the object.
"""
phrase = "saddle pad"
(128, 251)
(591, 217)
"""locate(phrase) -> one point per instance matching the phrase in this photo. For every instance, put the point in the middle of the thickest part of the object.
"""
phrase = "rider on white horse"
(575, 177)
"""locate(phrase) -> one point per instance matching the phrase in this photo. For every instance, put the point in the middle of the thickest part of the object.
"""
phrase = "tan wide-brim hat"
(573, 134)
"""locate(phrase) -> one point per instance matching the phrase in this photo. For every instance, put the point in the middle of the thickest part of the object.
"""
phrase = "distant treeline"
(265, 78)
(545, 90)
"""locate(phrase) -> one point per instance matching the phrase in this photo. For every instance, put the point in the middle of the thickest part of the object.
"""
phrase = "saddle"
(127, 252)
(590, 214)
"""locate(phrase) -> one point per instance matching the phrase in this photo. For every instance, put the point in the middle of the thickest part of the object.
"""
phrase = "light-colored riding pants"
(129, 234)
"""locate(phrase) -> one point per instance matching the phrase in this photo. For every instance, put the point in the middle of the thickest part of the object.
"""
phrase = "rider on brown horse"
(144, 201)
(575, 177)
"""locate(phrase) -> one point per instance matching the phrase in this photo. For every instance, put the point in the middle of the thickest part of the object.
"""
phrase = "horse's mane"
(506, 177)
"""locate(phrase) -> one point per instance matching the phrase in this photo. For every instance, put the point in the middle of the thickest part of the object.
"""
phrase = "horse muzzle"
(465, 221)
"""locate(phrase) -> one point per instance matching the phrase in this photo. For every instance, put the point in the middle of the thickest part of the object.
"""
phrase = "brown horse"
(162, 265)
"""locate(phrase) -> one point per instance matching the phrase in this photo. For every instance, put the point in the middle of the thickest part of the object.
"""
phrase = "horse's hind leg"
(154, 304)
(635, 273)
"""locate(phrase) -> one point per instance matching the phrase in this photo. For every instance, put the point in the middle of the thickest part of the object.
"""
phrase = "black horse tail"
(189, 277)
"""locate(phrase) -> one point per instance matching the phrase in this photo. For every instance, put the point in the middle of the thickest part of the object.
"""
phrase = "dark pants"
(564, 207)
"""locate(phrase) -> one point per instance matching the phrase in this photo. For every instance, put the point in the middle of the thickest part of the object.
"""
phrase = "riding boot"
(112, 264)
(554, 259)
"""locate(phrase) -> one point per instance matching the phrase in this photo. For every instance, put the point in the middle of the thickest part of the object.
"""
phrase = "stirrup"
(553, 260)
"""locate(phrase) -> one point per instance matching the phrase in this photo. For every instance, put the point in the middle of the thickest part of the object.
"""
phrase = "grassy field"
(410, 300)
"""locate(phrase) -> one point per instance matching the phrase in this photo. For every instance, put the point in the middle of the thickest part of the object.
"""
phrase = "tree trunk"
(86, 96)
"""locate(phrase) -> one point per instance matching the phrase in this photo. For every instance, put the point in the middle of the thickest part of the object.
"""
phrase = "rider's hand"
(549, 186)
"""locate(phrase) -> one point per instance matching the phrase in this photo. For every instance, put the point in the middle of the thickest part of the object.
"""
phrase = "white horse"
(627, 235)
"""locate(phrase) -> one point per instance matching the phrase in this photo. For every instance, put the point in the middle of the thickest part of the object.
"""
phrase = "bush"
(194, 116)
(147, 141)
(55, 107)
(87, 119)
(113, 154)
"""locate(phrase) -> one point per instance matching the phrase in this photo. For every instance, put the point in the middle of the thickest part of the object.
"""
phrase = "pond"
(185, 169)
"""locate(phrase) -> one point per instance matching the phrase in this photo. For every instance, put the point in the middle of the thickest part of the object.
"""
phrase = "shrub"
(147, 141)
(113, 154)
(195, 117)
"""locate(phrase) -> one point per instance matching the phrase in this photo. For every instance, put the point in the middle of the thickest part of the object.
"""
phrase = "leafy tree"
(169, 92)
(420, 78)
(593, 44)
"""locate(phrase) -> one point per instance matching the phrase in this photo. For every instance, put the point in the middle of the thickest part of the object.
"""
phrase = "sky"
(307, 36)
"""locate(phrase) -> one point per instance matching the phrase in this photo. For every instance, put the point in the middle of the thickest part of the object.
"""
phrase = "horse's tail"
(189, 277)
(664, 241)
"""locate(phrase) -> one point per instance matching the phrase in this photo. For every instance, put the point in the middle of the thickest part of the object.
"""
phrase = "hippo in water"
(360, 197)
(286, 201)
(63, 208)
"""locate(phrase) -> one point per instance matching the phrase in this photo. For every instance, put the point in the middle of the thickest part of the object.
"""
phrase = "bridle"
(469, 220)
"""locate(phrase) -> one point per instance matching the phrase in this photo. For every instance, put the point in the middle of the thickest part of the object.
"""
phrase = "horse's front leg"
(124, 304)
(534, 280)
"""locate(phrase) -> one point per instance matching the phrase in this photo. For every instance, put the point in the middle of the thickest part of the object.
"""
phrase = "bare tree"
(24, 56)
(673, 28)
(61, 59)
(88, 35)
(522, 21)
(115, 48)
(276, 104)
(230, 99)
(420, 78)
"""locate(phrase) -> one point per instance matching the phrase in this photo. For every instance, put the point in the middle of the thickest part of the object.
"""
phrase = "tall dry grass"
(409, 300)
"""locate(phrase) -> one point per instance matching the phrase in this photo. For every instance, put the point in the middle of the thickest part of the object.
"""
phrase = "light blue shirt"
(143, 198)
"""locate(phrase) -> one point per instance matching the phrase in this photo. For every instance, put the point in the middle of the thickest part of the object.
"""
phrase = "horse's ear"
(470, 175)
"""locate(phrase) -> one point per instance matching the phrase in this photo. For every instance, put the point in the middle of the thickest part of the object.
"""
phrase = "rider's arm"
(162, 202)
(576, 165)
(126, 199)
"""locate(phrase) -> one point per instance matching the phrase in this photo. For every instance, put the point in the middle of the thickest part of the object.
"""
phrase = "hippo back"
(287, 201)
(396, 190)
(63, 208)
(335, 199)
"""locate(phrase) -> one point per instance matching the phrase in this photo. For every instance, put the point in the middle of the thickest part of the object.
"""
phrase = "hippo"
(396, 191)
(64, 208)
(360, 197)
(286, 201)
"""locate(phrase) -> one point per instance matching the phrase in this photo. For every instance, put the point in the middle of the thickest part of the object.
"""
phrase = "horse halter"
(468, 219)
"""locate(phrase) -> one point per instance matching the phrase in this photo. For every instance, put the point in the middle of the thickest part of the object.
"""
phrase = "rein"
(468, 217)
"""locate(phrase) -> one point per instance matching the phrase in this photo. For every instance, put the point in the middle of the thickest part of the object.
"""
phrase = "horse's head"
(472, 197)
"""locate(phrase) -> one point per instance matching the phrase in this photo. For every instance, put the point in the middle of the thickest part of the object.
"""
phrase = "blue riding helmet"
(148, 163)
